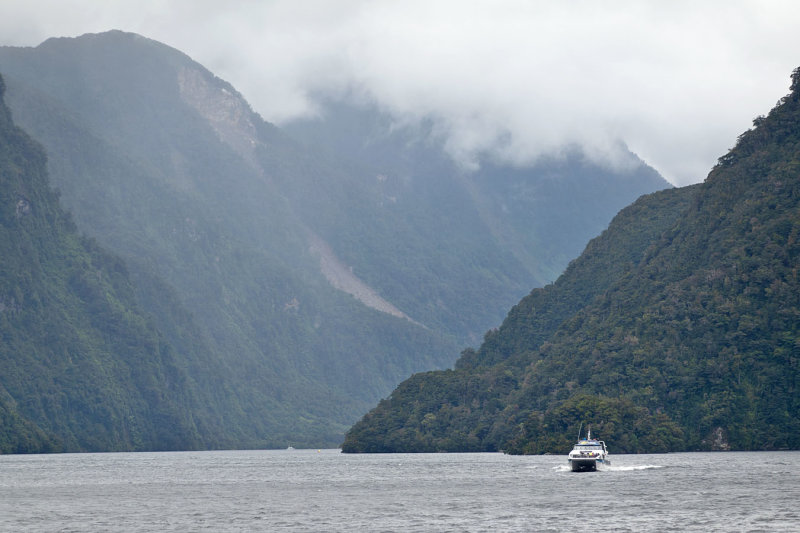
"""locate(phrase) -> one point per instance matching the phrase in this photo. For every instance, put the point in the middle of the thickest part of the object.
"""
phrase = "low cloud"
(676, 82)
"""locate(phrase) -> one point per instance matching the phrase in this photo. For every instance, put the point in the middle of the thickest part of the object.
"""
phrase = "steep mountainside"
(81, 366)
(677, 329)
(164, 164)
(311, 283)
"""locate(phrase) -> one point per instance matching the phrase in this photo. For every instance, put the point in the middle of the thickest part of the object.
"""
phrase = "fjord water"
(324, 490)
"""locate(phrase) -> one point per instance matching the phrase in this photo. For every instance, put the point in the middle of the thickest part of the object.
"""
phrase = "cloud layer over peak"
(675, 81)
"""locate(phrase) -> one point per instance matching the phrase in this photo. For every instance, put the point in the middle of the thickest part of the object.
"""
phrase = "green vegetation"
(677, 329)
(82, 367)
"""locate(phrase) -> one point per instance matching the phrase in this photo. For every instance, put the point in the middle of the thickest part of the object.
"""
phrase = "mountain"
(213, 247)
(676, 329)
(534, 217)
(83, 367)
(296, 285)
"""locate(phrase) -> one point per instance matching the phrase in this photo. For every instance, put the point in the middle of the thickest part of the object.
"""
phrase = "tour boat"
(587, 454)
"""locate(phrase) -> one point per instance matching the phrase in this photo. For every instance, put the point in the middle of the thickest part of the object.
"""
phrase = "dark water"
(310, 490)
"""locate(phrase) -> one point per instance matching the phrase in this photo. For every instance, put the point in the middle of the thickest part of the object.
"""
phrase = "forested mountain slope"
(81, 366)
(677, 329)
(162, 163)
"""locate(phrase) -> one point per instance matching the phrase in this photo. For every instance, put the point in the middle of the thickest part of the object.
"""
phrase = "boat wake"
(630, 468)
(613, 468)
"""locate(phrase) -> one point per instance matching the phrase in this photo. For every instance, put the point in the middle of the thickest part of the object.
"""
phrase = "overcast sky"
(677, 81)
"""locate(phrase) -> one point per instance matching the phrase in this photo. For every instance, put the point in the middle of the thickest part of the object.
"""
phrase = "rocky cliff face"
(224, 109)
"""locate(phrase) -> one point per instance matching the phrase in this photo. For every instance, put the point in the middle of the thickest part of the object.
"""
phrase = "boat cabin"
(590, 446)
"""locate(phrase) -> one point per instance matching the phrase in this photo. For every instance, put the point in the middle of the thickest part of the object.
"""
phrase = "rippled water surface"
(311, 490)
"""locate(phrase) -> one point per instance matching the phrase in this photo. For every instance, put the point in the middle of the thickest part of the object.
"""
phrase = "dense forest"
(677, 329)
(83, 367)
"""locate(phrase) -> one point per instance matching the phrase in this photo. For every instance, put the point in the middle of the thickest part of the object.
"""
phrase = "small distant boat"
(587, 454)
(289, 448)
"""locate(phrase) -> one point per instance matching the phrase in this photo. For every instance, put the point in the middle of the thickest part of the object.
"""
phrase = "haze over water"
(311, 490)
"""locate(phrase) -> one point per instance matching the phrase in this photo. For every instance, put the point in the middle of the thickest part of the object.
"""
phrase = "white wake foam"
(630, 468)
(612, 468)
